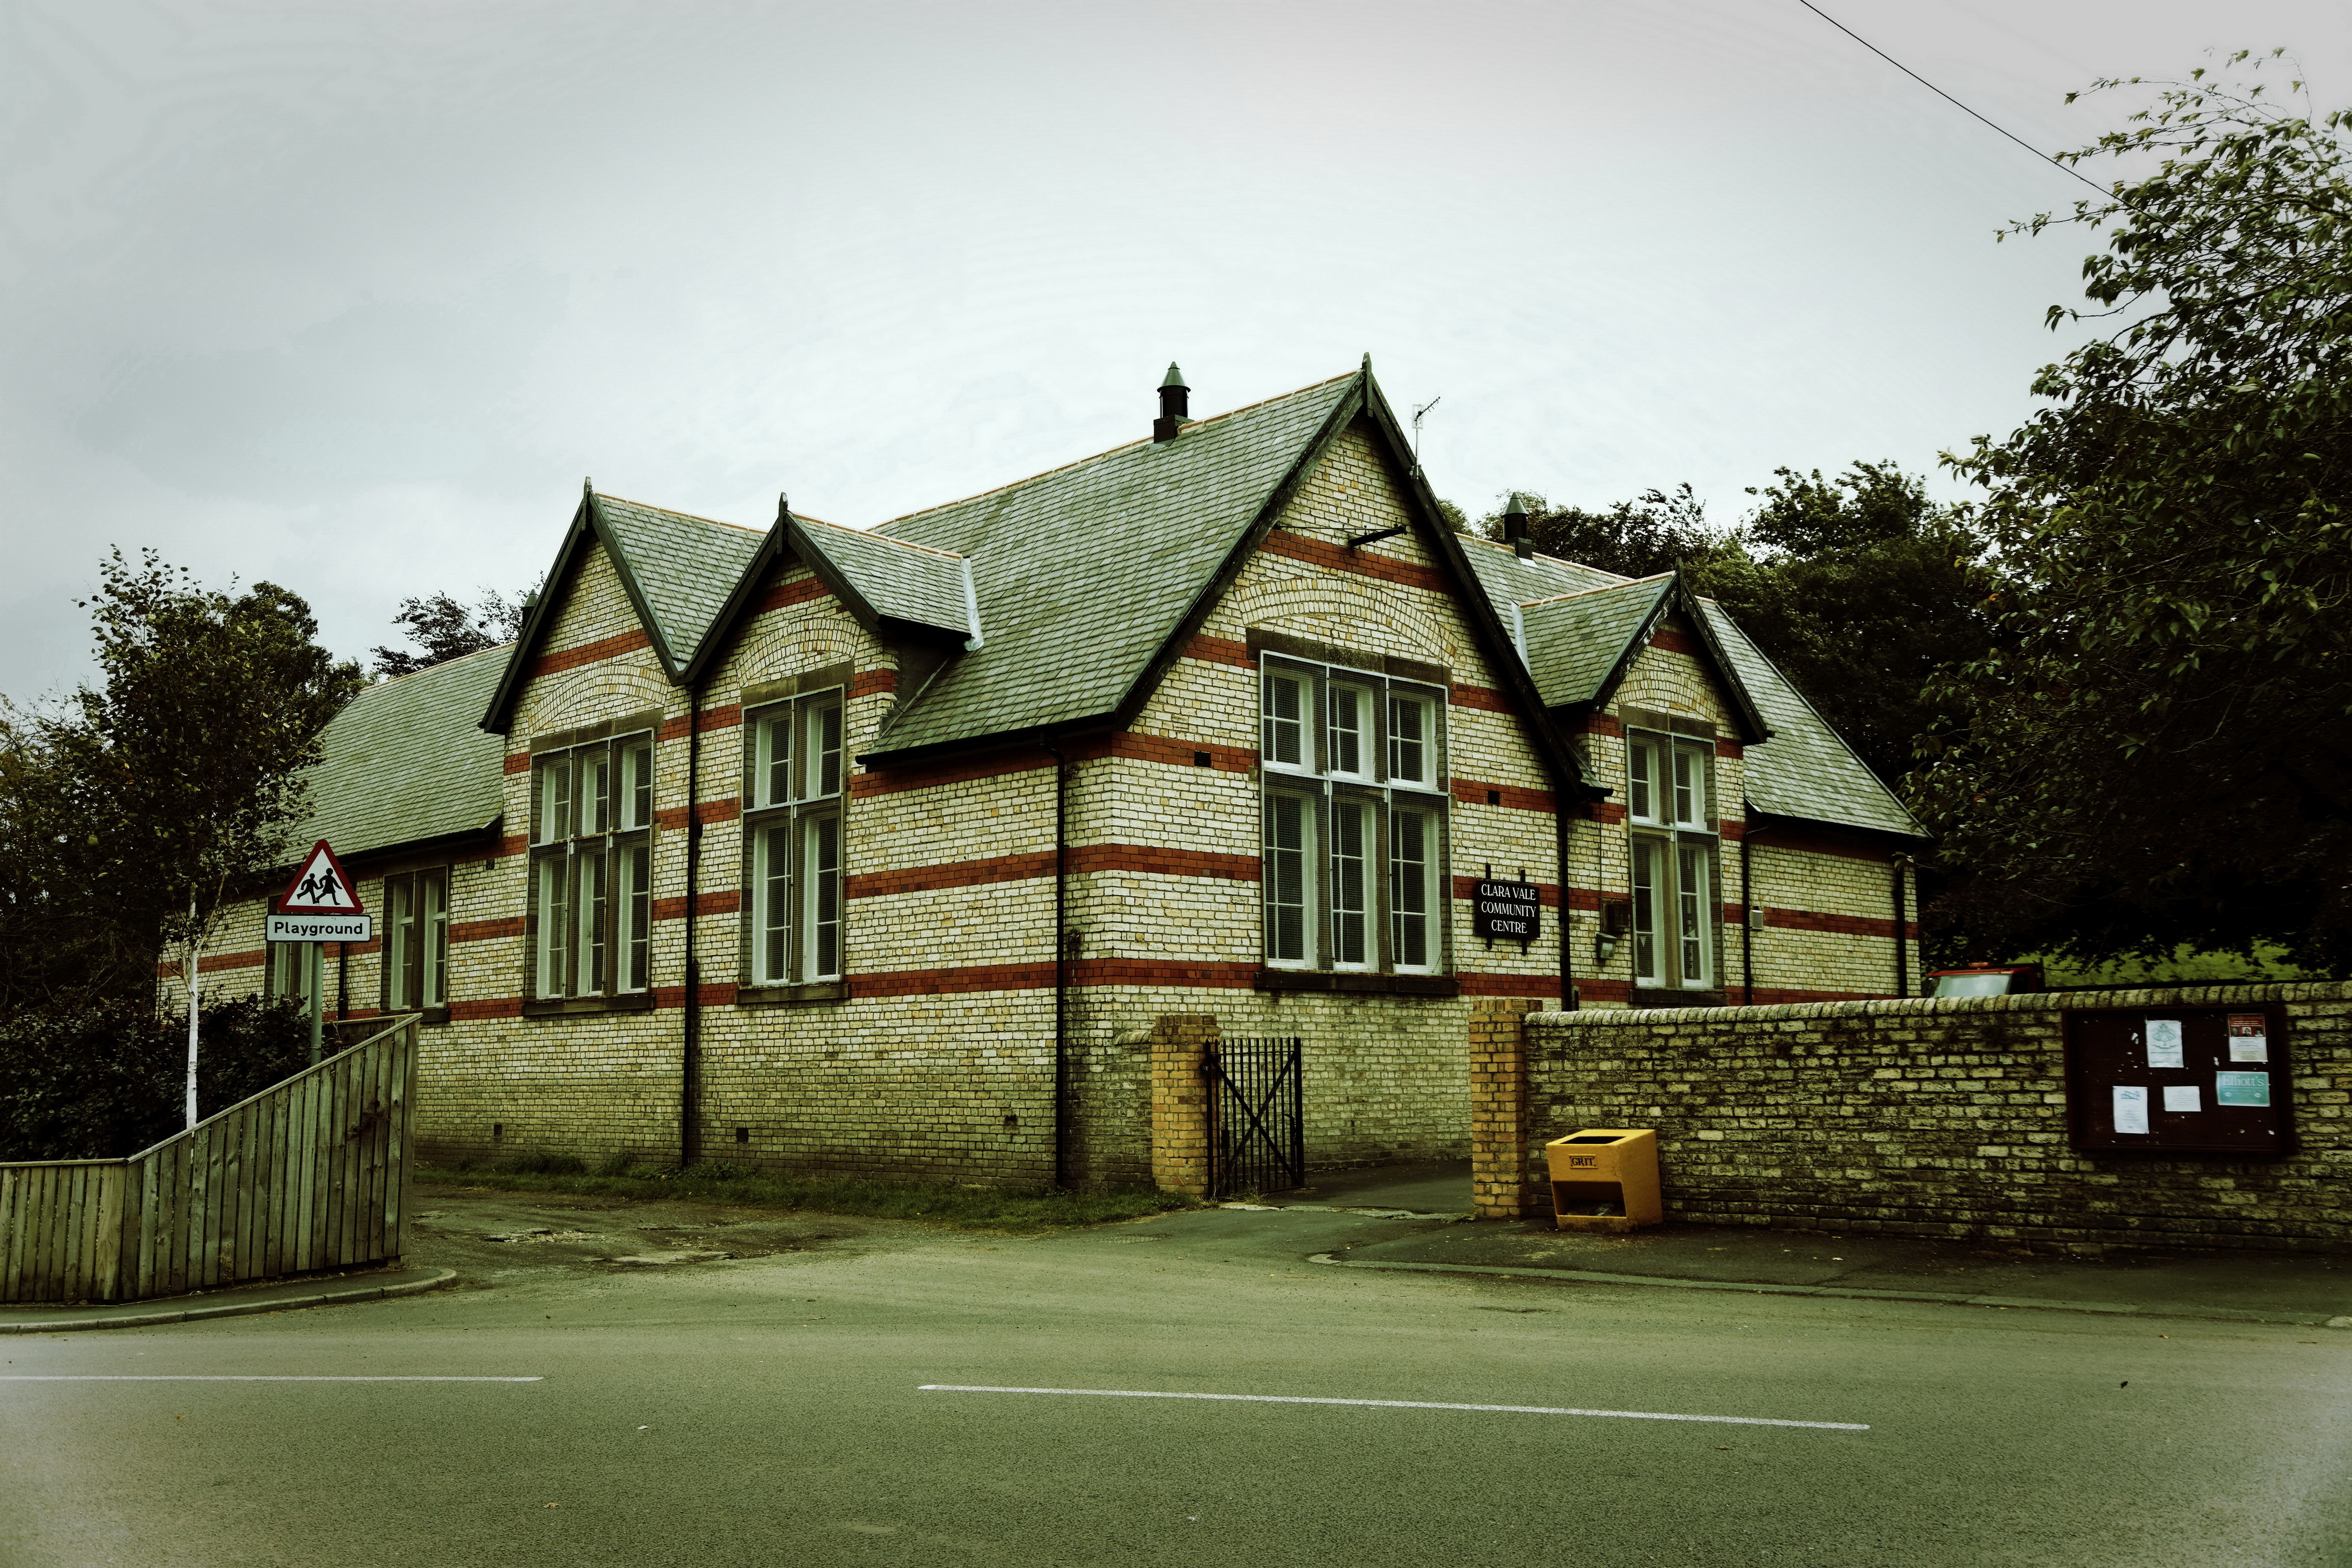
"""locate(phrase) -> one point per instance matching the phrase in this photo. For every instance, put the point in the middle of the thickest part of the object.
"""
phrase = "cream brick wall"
(941, 1062)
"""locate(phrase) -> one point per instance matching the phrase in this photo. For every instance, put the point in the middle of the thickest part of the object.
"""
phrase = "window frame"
(413, 926)
(1351, 911)
(1673, 861)
(795, 915)
(588, 929)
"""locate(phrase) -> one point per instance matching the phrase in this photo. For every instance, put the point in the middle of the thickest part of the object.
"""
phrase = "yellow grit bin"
(1606, 1178)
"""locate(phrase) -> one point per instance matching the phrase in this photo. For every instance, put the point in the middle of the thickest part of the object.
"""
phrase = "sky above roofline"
(348, 298)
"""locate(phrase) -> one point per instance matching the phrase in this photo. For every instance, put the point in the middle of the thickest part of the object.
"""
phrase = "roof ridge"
(442, 663)
(870, 533)
(1597, 588)
(1538, 555)
(690, 516)
(1099, 456)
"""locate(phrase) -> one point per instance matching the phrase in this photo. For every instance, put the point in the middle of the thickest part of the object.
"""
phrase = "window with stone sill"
(1353, 843)
(1671, 822)
(591, 915)
(793, 765)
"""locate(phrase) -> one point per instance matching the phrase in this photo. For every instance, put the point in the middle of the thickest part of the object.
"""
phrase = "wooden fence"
(311, 1174)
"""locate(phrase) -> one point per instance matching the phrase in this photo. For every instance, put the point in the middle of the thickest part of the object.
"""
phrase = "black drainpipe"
(689, 1063)
(1061, 966)
(1747, 918)
(1902, 953)
(1568, 1000)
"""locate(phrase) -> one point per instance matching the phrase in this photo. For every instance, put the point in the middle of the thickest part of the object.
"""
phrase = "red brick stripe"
(1473, 792)
(213, 963)
(517, 762)
(485, 930)
(1816, 842)
(1178, 753)
(788, 593)
(1509, 984)
(1084, 860)
(1723, 747)
(588, 652)
(709, 718)
(1605, 810)
(1340, 558)
(1484, 698)
(1673, 640)
(726, 902)
(866, 683)
(705, 811)
(1602, 723)
(1221, 651)
(1843, 924)
(491, 1008)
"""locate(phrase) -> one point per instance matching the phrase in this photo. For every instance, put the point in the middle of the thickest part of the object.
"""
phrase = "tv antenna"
(1418, 415)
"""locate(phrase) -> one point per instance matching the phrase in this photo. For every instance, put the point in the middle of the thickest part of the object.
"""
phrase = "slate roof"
(899, 579)
(407, 760)
(683, 566)
(1577, 640)
(1804, 771)
(1065, 589)
(1075, 609)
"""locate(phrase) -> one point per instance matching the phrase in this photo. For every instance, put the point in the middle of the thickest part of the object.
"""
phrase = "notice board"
(2178, 1079)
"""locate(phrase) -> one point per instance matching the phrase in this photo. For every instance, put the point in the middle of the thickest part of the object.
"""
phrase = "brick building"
(882, 851)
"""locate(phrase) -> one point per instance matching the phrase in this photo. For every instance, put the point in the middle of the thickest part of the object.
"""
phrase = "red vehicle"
(1986, 980)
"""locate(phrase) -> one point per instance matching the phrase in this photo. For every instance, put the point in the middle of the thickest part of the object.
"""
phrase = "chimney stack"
(1515, 526)
(1173, 397)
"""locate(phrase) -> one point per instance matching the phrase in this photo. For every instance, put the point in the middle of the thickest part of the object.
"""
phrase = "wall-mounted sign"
(2178, 1079)
(1512, 909)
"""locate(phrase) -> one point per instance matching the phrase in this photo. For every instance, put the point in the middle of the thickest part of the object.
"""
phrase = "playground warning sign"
(320, 904)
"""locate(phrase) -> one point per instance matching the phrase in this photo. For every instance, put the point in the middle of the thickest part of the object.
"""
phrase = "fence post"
(1498, 1106)
(1179, 1103)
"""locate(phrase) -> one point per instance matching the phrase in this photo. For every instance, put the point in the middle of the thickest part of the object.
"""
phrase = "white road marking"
(193, 1377)
(1401, 1404)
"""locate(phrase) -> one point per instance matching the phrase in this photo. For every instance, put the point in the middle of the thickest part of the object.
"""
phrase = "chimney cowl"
(1174, 405)
(1515, 526)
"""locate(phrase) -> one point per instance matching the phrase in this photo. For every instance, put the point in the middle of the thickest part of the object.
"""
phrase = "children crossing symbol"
(320, 887)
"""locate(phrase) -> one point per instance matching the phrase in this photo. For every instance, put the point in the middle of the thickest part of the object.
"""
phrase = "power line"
(1956, 103)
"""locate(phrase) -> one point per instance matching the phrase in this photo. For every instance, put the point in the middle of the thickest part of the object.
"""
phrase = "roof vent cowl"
(1174, 397)
(1515, 526)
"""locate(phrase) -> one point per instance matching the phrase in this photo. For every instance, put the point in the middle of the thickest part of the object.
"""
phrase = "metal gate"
(1256, 1140)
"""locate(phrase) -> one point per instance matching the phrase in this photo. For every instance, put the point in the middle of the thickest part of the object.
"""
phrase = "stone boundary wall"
(1914, 1116)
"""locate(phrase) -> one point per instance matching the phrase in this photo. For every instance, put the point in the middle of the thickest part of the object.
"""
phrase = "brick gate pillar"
(1180, 1105)
(1498, 1106)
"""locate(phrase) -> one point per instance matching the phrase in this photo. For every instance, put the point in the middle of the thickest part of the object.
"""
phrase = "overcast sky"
(350, 296)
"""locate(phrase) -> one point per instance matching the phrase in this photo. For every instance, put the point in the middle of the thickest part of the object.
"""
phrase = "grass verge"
(937, 1203)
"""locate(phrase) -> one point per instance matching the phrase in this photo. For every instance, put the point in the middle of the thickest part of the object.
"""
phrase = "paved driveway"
(785, 1408)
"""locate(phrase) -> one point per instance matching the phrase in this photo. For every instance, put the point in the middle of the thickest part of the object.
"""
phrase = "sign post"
(319, 906)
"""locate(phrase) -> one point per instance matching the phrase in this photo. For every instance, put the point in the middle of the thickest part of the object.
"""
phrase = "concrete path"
(2293, 1288)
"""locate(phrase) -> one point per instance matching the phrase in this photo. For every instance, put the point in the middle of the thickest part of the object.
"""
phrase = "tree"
(1860, 587)
(128, 815)
(447, 630)
(1632, 538)
(1861, 590)
(2162, 750)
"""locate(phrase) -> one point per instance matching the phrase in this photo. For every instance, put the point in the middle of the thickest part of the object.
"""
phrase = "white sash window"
(1354, 818)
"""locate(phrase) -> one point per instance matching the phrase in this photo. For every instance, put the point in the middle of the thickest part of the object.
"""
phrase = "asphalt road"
(772, 1410)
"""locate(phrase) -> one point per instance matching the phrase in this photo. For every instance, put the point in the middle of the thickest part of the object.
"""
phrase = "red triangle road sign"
(320, 887)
